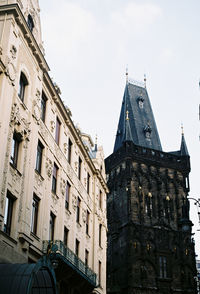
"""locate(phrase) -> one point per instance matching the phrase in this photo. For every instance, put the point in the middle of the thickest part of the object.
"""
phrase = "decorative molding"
(49, 167)
(63, 186)
(74, 201)
(52, 122)
(13, 51)
(84, 215)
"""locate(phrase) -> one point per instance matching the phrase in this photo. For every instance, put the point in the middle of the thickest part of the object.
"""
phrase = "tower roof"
(140, 126)
(183, 149)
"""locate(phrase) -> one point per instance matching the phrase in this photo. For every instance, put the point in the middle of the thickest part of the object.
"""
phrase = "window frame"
(86, 257)
(78, 208)
(54, 178)
(79, 167)
(38, 165)
(88, 183)
(30, 22)
(23, 82)
(77, 247)
(16, 140)
(34, 215)
(87, 222)
(52, 226)
(66, 236)
(43, 106)
(67, 195)
(69, 155)
(57, 132)
(100, 235)
(8, 213)
(163, 267)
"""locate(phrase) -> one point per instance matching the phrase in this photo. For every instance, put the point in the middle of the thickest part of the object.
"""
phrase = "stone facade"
(52, 177)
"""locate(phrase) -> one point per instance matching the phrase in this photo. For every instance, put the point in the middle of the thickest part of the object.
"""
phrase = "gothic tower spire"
(143, 127)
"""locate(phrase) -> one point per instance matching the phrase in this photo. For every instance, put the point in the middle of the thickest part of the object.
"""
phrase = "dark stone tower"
(150, 245)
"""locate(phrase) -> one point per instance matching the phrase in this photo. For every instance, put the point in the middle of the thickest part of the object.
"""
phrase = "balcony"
(65, 259)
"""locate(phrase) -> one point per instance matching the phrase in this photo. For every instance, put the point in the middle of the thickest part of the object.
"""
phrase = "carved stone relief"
(36, 112)
(52, 122)
(62, 186)
(13, 51)
(74, 201)
(84, 215)
(49, 167)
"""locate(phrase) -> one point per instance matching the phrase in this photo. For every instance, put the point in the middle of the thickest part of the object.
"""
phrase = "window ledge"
(22, 103)
(39, 175)
(78, 224)
(67, 211)
(35, 236)
(8, 237)
(15, 168)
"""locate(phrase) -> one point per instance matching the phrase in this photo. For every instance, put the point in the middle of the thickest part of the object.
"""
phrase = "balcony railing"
(57, 247)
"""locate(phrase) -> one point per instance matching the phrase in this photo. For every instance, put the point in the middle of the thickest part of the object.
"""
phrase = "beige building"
(52, 176)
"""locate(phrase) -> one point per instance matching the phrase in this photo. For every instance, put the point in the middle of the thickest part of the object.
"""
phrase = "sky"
(90, 43)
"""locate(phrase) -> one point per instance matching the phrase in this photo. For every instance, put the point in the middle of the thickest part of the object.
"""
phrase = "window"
(78, 210)
(51, 226)
(79, 167)
(86, 257)
(163, 266)
(99, 272)
(43, 106)
(69, 151)
(100, 232)
(87, 222)
(30, 22)
(77, 247)
(54, 179)
(88, 183)
(15, 149)
(100, 199)
(67, 195)
(8, 213)
(34, 219)
(40, 148)
(65, 239)
(22, 86)
(57, 135)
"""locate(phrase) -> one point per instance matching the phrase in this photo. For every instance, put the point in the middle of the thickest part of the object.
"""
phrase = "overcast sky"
(89, 44)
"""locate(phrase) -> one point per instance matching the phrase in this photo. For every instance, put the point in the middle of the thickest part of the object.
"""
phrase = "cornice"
(20, 20)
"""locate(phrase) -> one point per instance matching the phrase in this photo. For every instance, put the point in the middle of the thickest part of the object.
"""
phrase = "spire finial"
(182, 132)
(127, 74)
(127, 117)
(95, 147)
(145, 80)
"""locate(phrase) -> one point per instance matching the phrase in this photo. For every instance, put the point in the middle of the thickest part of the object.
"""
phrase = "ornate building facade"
(52, 177)
(150, 244)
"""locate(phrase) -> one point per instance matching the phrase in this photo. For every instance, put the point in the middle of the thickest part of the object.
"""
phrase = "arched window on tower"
(30, 23)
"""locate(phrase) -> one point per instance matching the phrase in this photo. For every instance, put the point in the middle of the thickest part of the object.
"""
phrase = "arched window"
(30, 22)
(22, 85)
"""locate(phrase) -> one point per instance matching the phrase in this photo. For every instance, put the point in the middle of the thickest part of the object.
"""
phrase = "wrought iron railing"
(58, 247)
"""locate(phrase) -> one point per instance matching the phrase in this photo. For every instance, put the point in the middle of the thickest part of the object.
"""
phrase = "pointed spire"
(183, 150)
(95, 146)
(127, 74)
(145, 81)
(127, 133)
